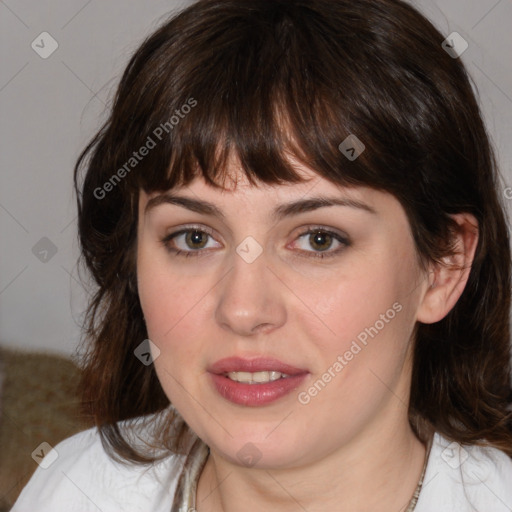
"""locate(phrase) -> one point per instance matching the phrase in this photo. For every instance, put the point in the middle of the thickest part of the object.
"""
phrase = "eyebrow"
(284, 210)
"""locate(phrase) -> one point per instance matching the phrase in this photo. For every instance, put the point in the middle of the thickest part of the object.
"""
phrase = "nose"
(251, 298)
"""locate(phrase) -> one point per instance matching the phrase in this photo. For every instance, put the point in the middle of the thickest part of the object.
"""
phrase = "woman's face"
(250, 293)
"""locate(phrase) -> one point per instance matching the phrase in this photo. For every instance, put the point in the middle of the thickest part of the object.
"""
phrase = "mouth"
(239, 365)
(254, 382)
(256, 377)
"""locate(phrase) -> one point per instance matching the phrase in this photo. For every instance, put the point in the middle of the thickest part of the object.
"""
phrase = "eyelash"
(310, 230)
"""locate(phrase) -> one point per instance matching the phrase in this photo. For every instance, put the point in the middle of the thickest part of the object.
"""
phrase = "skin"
(350, 448)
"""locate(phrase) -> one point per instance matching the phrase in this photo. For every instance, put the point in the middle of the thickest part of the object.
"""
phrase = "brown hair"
(266, 78)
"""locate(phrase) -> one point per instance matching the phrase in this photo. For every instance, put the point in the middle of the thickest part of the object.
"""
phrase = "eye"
(322, 240)
(194, 241)
(187, 242)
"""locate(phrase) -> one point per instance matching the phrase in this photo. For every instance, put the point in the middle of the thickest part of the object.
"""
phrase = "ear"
(448, 279)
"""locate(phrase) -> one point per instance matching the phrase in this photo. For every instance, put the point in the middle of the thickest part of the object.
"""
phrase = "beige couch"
(38, 403)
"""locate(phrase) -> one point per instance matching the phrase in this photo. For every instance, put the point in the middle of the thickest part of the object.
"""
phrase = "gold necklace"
(416, 495)
(185, 495)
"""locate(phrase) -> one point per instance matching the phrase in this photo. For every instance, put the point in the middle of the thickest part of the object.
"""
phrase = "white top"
(83, 478)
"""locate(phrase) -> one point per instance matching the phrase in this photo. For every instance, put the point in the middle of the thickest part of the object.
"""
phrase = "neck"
(378, 470)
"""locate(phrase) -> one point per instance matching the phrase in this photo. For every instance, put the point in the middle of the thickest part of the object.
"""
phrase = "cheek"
(169, 308)
(168, 300)
(172, 310)
(345, 306)
(366, 316)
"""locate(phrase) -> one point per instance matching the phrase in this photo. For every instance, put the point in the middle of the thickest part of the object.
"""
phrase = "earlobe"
(447, 279)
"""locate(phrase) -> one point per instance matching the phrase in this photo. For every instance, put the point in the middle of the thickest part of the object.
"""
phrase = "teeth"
(256, 377)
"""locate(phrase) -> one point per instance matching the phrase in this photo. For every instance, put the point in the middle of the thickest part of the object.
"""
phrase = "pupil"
(319, 240)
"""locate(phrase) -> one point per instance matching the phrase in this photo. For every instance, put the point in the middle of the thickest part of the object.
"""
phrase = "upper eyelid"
(211, 231)
(186, 228)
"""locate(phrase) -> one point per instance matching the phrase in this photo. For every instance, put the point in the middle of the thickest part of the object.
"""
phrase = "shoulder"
(78, 475)
(466, 478)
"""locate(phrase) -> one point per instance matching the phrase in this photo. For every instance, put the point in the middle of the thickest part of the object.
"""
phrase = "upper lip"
(259, 364)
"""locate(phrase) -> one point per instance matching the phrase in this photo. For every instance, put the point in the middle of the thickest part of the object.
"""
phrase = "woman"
(303, 273)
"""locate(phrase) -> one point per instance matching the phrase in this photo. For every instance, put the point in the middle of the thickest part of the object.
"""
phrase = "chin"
(253, 447)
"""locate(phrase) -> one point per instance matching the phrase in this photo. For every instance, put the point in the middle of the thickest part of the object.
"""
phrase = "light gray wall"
(51, 106)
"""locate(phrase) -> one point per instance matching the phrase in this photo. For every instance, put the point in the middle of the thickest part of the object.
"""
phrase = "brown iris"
(196, 237)
(320, 240)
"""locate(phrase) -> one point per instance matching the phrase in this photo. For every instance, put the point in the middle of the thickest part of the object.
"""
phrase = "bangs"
(261, 132)
(242, 81)
(253, 89)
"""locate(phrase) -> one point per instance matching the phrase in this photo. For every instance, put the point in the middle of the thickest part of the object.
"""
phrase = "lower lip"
(254, 395)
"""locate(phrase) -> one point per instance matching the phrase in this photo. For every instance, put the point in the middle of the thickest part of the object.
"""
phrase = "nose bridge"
(250, 299)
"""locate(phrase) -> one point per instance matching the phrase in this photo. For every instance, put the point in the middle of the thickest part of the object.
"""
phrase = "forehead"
(238, 197)
(236, 188)
(242, 200)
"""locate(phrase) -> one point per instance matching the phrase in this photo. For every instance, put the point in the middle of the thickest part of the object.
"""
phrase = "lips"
(260, 364)
(254, 394)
